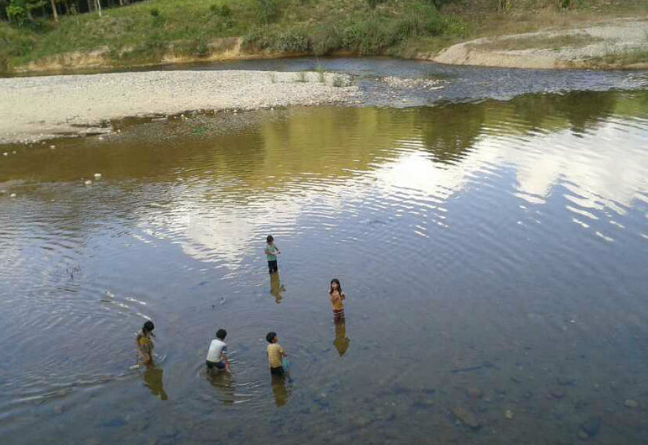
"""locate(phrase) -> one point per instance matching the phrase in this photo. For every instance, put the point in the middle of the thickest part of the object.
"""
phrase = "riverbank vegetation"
(135, 33)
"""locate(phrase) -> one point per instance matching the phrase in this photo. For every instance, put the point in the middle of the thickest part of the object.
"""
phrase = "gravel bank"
(600, 45)
(38, 108)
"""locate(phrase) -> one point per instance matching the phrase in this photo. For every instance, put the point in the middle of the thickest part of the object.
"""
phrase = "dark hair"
(271, 336)
(269, 239)
(335, 280)
(221, 334)
(148, 326)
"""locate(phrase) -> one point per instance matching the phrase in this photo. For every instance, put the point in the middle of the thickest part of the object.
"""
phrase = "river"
(493, 250)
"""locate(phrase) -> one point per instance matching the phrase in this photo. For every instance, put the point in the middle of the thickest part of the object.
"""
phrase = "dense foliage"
(134, 31)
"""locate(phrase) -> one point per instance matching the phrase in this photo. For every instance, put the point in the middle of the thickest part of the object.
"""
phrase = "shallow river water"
(493, 255)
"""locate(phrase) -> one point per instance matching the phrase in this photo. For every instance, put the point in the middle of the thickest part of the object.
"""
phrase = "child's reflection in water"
(275, 287)
(341, 341)
(224, 383)
(153, 381)
(280, 390)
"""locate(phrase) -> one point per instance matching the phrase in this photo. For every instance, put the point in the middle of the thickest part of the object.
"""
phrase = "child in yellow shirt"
(275, 354)
(145, 344)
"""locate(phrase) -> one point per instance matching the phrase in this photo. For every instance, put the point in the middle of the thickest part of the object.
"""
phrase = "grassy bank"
(144, 32)
(148, 32)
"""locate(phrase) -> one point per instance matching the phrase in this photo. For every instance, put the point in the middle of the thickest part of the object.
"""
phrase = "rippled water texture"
(493, 254)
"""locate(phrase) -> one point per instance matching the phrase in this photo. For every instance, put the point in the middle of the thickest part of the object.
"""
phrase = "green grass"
(145, 31)
(301, 77)
(637, 56)
(321, 74)
(615, 57)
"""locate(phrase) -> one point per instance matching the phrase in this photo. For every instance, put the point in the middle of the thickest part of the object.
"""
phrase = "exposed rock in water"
(466, 417)
(591, 426)
(402, 82)
(508, 414)
(631, 403)
(361, 421)
(565, 381)
(557, 393)
(474, 393)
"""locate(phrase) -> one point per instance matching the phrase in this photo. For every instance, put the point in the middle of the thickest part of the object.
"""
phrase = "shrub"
(320, 73)
(439, 3)
(373, 3)
(4, 62)
(326, 38)
(292, 41)
(21, 47)
(158, 18)
(201, 48)
(221, 10)
(268, 10)
(301, 77)
(363, 33)
(454, 26)
(17, 14)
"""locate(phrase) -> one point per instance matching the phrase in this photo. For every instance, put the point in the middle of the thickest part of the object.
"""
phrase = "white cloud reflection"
(604, 172)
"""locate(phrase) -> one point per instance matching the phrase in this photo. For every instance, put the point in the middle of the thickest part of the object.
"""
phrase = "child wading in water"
(217, 354)
(336, 296)
(145, 344)
(271, 252)
(275, 354)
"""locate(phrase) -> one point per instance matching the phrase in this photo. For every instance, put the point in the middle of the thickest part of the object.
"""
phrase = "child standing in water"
(145, 344)
(336, 296)
(275, 354)
(271, 252)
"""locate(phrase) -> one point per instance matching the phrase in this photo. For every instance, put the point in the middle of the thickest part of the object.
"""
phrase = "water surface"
(499, 245)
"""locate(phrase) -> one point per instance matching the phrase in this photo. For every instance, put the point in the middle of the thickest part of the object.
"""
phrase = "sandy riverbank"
(621, 43)
(36, 108)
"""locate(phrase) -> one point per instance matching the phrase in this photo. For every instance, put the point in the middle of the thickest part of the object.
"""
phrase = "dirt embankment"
(621, 43)
(101, 58)
(35, 108)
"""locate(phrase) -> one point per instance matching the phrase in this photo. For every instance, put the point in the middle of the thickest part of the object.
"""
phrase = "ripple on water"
(468, 233)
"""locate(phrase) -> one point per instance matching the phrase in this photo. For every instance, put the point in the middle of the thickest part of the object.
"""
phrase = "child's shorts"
(272, 266)
(338, 315)
(215, 365)
(277, 371)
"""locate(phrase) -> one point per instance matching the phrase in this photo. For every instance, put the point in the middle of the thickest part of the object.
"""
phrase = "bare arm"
(227, 365)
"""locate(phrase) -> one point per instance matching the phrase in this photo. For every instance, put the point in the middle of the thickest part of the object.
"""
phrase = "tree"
(268, 10)
(503, 6)
(4, 4)
(54, 13)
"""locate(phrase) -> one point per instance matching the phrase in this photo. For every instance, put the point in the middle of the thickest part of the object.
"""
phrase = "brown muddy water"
(494, 257)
